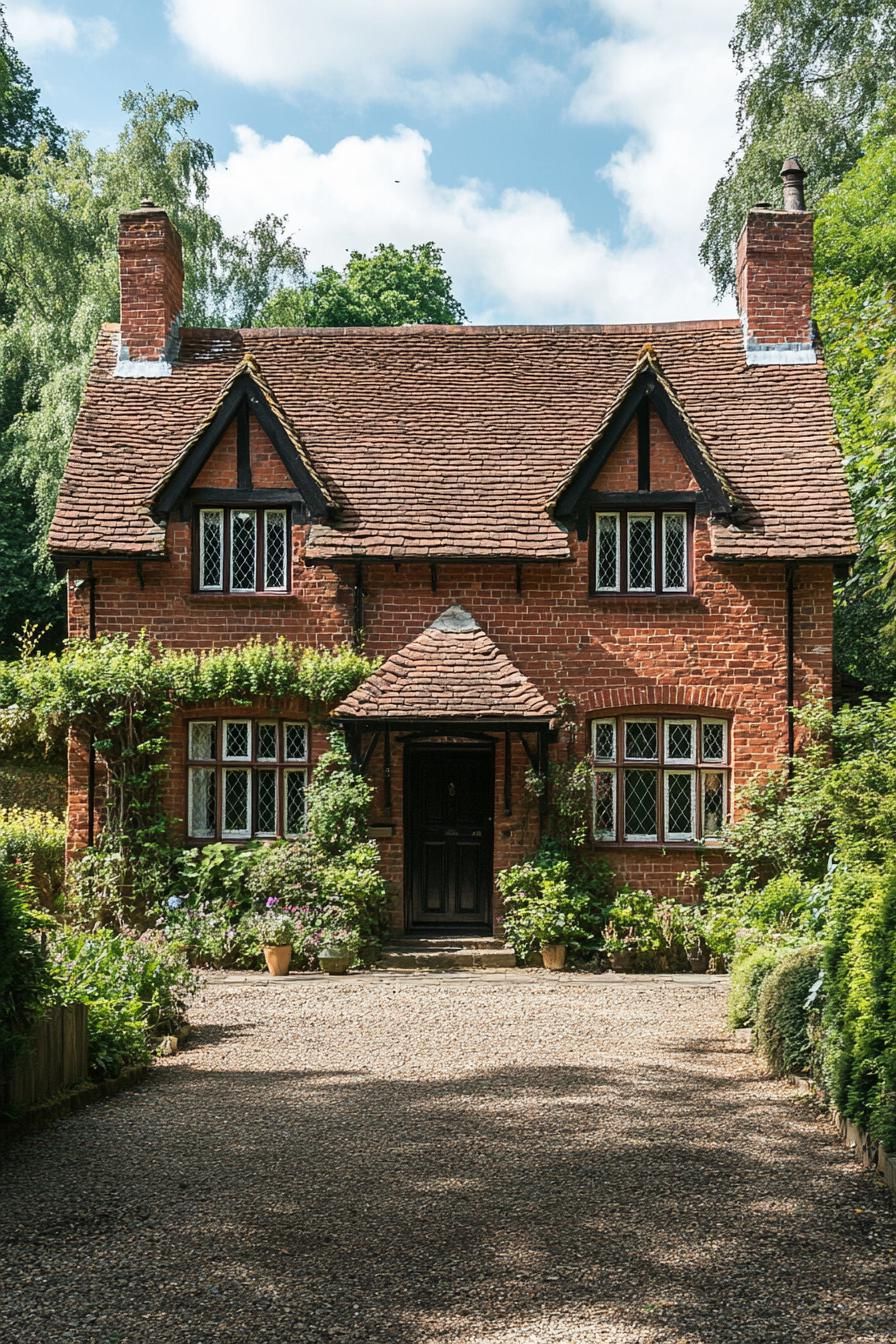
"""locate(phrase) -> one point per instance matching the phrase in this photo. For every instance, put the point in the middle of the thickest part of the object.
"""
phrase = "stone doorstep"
(446, 954)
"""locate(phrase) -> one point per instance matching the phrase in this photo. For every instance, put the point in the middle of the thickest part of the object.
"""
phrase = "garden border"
(869, 1154)
(66, 1103)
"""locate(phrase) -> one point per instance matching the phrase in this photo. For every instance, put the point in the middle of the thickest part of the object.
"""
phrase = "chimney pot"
(793, 175)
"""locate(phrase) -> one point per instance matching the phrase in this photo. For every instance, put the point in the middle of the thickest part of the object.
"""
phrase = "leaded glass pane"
(295, 801)
(603, 742)
(275, 548)
(607, 548)
(242, 550)
(713, 804)
(202, 803)
(211, 548)
(202, 741)
(266, 742)
(296, 741)
(680, 740)
(236, 739)
(640, 804)
(675, 564)
(713, 740)
(640, 551)
(605, 804)
(266, 802)
(680, 804)
(237, 797)
(640, 740)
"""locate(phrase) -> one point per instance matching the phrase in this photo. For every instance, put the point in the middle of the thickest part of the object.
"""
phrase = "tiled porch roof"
(452, 671)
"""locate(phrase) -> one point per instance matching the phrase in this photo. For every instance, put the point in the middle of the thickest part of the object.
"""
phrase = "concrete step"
(446, 954)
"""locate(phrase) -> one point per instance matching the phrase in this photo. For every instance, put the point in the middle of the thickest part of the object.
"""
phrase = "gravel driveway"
(482, 1158)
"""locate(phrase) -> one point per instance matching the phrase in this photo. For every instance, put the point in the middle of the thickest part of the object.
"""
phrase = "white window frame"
(598, 588)
(275, 587)
(225, 755)
(722, 772)
(267, 723)
(613, 773)
(269, 770)
(244, 833)
(191, 773)
(295, 770)
(203, 586)
(668, 587)
(294, 723)
(695, 728)
(710, 760)
(640, 518)
(641, 718)
(631, 837)
(601, 723)
(691, 776)
(232, 513)
(192, 755)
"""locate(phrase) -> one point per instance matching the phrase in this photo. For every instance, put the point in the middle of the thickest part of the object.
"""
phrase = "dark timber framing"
(647, 390)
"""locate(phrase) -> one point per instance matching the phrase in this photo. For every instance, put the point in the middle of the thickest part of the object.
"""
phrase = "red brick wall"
(723, 647)
(774, 275)
(668, 469)
(151, 274)
(268, 471)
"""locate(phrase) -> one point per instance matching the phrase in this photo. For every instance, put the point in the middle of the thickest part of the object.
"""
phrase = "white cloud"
(37, 29)
(349, 50)
(515, 256)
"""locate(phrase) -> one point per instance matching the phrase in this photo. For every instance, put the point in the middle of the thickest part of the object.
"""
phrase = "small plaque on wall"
(381, 830)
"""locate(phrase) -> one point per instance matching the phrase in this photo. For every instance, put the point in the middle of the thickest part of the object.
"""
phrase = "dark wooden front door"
(449, 794)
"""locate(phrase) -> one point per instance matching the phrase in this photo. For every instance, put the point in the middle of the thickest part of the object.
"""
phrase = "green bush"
(26, 984)
(553, 898)
(210, 936)
(122, 980)
(749, 971)
(217, 875)
(35, 841)
(788, 1011)
(787, 905)
(633, 927)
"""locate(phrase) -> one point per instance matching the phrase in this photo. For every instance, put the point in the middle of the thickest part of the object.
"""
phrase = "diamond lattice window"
(211, 548)
(675, 560)
(607, 557)
(275, 549)
(670, 784)
(242, 780)
(640, 552)
(242, 551)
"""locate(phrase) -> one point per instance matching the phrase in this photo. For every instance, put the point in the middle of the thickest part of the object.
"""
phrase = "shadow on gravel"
(320, 1206)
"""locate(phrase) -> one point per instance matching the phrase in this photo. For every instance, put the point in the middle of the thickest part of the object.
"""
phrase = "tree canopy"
(388, 288)
(814, 75)
(23, 119)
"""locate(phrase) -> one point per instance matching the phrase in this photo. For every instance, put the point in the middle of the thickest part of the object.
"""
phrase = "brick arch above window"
(618, 699)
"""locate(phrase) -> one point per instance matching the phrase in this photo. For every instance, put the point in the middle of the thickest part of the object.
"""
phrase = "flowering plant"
(339, 941)
(276, 925)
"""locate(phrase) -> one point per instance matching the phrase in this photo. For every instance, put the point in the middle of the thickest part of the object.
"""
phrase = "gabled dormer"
(638, 486)
(243, 480)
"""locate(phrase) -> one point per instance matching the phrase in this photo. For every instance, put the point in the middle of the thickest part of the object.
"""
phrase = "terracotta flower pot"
(335, 963)
(278, 959)
(621, 961)
(553, 956)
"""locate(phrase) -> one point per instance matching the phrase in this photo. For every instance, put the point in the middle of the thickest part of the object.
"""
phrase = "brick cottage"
(626, 533)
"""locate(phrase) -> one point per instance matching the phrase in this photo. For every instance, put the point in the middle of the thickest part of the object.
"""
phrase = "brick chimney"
(774, 277)
(151, 273)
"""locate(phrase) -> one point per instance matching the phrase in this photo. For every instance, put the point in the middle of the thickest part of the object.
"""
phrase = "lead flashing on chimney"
(788, 352)
(149, 368)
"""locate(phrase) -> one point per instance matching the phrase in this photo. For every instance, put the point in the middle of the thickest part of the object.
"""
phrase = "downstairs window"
(246, 778)
(660, 778)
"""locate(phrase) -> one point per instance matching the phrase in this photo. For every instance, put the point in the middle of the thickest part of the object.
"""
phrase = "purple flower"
(271, 902)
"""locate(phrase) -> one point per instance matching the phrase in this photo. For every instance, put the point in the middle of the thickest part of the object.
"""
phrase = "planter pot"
(553, 955)
(698, 963)
(335, 963)
(278, 959)
(621, 961)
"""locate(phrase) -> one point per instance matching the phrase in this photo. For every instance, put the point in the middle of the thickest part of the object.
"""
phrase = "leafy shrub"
(551, 899)
(633, 926)
(286, 870)
(338, 801)
(35, 840)
(859, 1020)
(25, 979)
(787, 1012)
(209, 935)
(122, 980)
(355, 893)
(788, 904)
(35, 786)
(216, 875)
(748, 974)
(682, 931)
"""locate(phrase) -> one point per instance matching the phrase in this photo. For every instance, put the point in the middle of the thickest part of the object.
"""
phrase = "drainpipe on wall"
(91, 747)
(790, 583)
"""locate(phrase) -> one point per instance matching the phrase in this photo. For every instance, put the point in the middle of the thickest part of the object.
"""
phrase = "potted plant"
(551, 905)
(693, 940)
(632, 935)
(338, 950)
(276, 932)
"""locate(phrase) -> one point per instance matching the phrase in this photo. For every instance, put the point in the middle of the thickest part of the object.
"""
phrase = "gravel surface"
(486, 1158)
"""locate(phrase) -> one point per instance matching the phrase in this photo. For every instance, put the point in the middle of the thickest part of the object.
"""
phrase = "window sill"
(686, 600)
(203, 598)
(662, 846)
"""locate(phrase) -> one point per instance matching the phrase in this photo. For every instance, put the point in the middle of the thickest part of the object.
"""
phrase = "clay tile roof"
(451, 671)
(441, 442)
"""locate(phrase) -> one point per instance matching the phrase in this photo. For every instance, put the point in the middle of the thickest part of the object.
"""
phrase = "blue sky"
(561, 154)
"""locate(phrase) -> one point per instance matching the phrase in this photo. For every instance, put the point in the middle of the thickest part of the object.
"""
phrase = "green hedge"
(788, 1009)
(748, 974)
(33, 842)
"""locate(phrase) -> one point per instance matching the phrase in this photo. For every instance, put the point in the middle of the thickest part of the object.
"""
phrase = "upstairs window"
(639, 551)
(243, 551)
(660, 778)
(246, 778)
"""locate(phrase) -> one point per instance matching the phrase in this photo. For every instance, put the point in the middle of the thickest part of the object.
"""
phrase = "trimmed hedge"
(786, 1019)
(748, 974)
